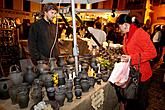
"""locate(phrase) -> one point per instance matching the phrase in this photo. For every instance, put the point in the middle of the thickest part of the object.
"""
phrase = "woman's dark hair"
(49, 6)
(124, 18)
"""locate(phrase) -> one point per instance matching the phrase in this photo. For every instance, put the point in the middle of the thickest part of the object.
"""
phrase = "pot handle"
(16, 67)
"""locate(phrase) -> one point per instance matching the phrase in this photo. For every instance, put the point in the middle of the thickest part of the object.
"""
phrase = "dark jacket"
(40, 40)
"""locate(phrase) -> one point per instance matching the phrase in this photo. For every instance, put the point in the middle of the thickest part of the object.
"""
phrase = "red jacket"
(138, 41)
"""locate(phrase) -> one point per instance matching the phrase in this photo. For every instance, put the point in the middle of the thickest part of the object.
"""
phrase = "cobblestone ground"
(157, 90)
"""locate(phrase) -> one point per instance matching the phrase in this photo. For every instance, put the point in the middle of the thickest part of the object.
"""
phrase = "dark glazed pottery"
(29, 75)
(69, 96)
(85, 85)
(51, 93)
(23, 99)
(78, 93)
(92, 81)
(15, 75)
(4, 88)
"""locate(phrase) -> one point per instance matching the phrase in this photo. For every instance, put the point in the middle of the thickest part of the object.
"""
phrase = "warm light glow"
(147, 12)
(78, 6)
(88, 6)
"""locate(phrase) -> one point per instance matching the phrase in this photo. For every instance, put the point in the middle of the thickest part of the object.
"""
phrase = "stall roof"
(101, 11)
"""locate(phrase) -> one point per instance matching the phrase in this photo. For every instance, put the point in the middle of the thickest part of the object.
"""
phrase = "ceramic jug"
(16, 76)
(29, 75)
(42, 66)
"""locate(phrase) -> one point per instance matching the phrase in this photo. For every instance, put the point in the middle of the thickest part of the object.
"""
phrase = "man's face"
(50, 15)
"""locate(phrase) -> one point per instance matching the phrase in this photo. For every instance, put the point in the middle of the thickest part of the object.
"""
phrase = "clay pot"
(83, 75)
(48, 83)
(99, 75)
(105, 77)
(23, 99)
(25, 85)
(85, 85)
(77, 87)
(29, 75)
(51, 93)
(4, 88)
(60, 95)
(98, 80)
(69, 96)
(76, 81)
(22, 96)
(69, 84)
(69, 71)
(92, 81)
(61, 61)
(61, 75)
(13, 94)
(42, 67)
(78, 93)
(15, 75)
(44, 75)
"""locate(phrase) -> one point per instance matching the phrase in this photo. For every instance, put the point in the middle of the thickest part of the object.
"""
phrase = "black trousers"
(141, 103)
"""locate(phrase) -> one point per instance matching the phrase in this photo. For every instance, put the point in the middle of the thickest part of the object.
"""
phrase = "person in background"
(26, 25)
(137, 44)
(42, 40)
(156, 40)
(99, 34)
(19, 28)
(147, 26)
(162, 45)
(111, 33)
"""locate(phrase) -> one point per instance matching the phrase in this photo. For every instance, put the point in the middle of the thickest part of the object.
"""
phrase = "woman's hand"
(125, 58)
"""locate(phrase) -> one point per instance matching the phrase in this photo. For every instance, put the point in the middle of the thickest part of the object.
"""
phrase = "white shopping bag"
(120, 73)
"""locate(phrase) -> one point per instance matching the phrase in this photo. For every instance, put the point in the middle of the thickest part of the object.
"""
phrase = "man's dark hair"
(49, 6)
(98, 25)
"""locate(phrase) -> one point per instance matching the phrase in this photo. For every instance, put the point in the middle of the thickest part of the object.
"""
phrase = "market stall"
(109, 101)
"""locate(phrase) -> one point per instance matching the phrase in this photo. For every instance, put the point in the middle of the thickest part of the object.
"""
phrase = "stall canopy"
(67, 1)
(75, 47)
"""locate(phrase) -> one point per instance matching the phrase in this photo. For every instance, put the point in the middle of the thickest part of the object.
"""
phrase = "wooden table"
(110, 100)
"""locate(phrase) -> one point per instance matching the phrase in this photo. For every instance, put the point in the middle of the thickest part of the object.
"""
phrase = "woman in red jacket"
(137, 43)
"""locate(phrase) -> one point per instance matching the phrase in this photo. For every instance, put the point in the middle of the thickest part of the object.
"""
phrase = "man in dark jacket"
(43, 36)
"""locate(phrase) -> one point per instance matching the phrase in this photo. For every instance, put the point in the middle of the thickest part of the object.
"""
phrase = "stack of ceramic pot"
(77, 87)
